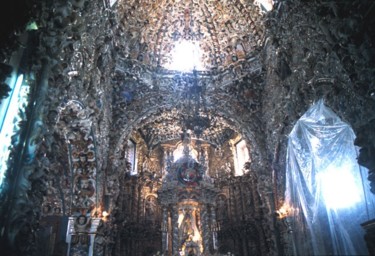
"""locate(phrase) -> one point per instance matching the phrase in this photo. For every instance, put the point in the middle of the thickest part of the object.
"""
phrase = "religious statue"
(187, 233)
(84, 191)
(150, 208)
(80, 238)
(81, 227)
(187, 229)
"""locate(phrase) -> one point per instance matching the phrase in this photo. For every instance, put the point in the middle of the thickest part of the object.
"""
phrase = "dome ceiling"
(218, 34)
(221, 40)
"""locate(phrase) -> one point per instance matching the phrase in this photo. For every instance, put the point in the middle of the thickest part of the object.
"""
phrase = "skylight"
(265, 5)
(186, 57)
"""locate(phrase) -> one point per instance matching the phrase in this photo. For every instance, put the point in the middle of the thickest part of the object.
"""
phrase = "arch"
(248, 132)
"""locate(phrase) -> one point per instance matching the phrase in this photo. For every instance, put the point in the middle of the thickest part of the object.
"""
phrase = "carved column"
(214, 229)
(70, 231)
(164, 230)
(204, 159)
(205, 229)
(168, 159)
(174, 230)
(169, 234)
(92, 233)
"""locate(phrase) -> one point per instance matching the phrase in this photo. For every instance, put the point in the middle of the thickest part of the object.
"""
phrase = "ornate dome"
(205, 35)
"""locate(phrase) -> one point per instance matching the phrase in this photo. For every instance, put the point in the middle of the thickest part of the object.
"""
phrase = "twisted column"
(174, 230)
(164, 230)
(205, 229)
(213, 228)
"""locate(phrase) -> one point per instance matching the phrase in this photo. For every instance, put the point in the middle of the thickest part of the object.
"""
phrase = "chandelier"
(195, 116)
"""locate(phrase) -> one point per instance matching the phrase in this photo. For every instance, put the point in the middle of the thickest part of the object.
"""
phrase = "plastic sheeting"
(326, 190)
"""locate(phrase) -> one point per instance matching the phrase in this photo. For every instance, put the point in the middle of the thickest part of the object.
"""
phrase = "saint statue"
(187, 230)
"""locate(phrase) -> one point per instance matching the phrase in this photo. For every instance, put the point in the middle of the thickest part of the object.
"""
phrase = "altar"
(187, 198)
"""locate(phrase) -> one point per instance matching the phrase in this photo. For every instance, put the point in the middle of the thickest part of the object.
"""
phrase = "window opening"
(179, 152)
(186, 57)
(11, 117)
(132, 157)
(242, 156)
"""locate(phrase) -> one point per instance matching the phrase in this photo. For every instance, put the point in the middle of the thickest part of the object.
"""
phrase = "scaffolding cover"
(326, 190)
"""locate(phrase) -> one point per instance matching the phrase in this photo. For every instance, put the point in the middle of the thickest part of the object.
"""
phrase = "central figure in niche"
(187, 229)
(190, 239)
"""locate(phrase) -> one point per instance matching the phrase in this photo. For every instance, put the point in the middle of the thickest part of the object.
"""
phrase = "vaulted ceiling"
(225, 32)
(227, 39)
(255, 72)
(154, 90)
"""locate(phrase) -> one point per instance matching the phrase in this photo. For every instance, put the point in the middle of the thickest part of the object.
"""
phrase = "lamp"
(196, 117)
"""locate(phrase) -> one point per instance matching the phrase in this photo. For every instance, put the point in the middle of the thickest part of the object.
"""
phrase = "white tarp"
(326, 189)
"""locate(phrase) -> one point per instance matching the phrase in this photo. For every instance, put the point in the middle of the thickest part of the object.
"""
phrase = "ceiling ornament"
(195, 119)
(195, 116)
(225, 32)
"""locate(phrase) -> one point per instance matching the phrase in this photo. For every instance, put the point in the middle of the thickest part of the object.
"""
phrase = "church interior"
(187, 127)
